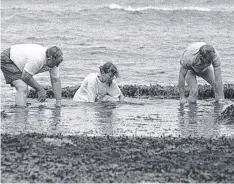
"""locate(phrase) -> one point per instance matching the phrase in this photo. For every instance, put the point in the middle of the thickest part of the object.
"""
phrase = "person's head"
(54, 56)
(207, 54)
(108, 72)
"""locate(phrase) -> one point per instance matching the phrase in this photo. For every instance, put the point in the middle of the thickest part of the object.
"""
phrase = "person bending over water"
(100, 87)
(21, 62)
(200, 59)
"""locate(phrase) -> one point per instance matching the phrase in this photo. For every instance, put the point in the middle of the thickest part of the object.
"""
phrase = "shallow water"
(145, 39)
(135, 117)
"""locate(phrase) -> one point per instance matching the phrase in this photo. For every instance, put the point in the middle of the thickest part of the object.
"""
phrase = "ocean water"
(143, 38)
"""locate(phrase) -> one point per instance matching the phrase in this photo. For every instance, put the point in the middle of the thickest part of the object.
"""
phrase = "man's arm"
(181, 83)
(28, 79)
(121, 96)
(218, 88)
(56, 85)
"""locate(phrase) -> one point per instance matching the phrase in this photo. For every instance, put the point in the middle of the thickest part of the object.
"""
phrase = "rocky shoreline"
(56, 158)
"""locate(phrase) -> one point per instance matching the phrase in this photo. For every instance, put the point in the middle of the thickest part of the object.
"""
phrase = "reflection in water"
(36, 119)
(188, 113)
(152, 118)
(21, 118)
(105, 113)
(192, 112)
(198, 119)
(218, 108)
(56, 119)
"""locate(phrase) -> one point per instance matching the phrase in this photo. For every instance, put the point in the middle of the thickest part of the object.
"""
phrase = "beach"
(149, 137)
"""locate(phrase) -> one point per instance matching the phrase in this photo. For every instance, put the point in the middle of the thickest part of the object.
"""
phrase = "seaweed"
(156, 90)
(40, 158)
(228, 114)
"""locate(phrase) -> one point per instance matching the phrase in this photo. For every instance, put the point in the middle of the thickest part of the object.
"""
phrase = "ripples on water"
(135, 117)
(144, 38)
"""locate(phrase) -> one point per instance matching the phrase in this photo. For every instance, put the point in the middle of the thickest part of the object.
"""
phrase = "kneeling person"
(100, 86)
(21, 62)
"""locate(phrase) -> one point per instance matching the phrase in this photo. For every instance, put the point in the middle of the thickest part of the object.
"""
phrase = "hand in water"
(192, 100)
(41, 95)
(218, 101)
(183, 101)
(99, 97)
(193, 94)
(58, 103)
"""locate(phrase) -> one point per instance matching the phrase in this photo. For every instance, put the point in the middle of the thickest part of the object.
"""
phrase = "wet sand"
(56, 158)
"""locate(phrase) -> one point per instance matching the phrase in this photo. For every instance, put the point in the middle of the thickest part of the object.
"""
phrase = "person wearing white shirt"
(100, 86)
(21, 62)
(202, 60)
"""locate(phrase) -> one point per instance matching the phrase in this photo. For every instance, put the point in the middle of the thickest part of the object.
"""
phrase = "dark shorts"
(10, 71)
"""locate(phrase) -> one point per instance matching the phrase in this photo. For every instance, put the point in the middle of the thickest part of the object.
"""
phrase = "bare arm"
(28, 79)
(56, 85)
(121, 96)
(181, 81)
(218, 88)
(218, 84)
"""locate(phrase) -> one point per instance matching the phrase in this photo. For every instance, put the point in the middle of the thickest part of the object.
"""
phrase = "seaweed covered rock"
(152, 90)
(228, 114)
(204, 91)
(229, 90)
(67, 92)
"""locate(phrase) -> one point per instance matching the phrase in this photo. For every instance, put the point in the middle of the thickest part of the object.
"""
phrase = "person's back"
(30, 54)
(190, 54)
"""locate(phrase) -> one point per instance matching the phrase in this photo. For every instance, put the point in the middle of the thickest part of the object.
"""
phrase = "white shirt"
(92, 88)
(32, 59)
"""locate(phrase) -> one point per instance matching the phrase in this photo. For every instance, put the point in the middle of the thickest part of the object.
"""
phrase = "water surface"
(135, 117)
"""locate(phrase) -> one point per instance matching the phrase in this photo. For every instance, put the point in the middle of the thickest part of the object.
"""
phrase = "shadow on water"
(135, 117)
